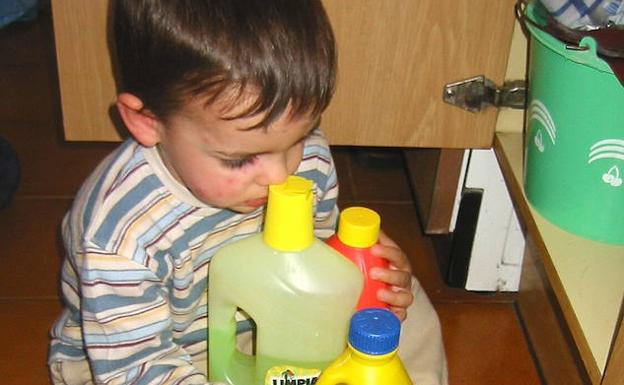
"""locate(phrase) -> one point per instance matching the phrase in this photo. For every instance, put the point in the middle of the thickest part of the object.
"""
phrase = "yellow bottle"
(299, 291)
(371, 356)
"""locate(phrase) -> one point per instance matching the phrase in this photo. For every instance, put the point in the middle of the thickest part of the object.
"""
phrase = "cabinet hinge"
(477, 93)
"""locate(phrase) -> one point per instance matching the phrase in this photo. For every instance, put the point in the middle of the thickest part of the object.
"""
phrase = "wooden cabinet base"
(556, 354)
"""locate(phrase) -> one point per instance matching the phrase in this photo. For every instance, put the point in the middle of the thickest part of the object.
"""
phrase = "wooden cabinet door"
(395, 56)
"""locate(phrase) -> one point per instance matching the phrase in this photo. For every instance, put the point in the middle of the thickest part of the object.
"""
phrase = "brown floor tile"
(51, 166)
(24, 333)
(485, 345)
(31, 250)
(30, 94)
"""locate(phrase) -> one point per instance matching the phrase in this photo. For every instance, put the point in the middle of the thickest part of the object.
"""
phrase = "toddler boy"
(222, 98)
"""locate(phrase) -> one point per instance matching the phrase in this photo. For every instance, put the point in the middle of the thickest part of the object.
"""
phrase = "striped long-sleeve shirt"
(134, 279)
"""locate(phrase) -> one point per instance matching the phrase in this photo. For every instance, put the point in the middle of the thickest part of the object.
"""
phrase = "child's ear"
(143, 126)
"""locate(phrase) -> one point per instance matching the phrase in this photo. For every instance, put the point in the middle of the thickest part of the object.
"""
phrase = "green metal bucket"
(574, 154)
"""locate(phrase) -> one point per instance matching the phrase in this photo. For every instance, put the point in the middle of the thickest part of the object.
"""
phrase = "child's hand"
(398, 276)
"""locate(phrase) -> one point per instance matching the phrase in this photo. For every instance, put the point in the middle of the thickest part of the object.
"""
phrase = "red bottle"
(358, 231)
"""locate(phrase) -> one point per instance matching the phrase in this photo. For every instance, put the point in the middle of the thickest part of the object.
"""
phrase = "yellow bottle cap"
(358, 227)
(288, 224)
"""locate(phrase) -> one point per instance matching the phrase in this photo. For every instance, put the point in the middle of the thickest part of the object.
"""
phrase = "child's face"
(226, 164)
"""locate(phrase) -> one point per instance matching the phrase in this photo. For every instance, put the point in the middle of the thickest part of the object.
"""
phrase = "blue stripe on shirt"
(127, 203)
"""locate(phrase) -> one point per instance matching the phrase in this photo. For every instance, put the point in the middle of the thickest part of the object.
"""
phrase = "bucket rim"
(585, 54)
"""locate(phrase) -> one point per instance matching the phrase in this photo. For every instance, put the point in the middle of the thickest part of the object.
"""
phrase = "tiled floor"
(484, 339)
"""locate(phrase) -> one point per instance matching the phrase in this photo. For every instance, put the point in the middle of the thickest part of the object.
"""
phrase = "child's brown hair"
(171, 50)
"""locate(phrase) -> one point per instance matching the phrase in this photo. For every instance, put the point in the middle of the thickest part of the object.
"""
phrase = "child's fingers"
(388, 249)
(393, 254)
(398, 301)
(399, 278)
(400, 312)
(384, 239)
(396, 298)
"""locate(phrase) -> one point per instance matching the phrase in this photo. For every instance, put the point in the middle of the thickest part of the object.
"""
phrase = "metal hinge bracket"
(475, 94)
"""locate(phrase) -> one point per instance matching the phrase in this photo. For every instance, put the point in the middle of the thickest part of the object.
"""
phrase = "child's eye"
(238, 163)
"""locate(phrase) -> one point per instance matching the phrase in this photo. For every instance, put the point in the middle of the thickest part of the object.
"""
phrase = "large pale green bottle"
(300, 292)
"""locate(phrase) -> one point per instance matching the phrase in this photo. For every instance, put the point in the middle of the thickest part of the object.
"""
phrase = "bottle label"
(290, 375)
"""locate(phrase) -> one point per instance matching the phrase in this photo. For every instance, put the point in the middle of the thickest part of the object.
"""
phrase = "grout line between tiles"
(467, 300)
(44, 298)
(42, 197)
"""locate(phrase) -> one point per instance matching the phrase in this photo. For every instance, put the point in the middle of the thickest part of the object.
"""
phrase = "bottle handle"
(225, 361)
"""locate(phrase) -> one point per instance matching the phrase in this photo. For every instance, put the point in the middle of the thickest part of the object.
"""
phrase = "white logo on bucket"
(539, 112)
(608, 149)
(612, 177)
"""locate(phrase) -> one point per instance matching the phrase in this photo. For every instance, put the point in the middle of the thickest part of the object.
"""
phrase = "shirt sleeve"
(127, 325)
(326, 216)
(318, 165)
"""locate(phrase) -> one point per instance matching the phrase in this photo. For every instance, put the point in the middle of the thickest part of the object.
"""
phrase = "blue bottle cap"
(374, 331)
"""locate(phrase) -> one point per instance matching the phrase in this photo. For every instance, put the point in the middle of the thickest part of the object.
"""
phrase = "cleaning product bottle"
(371, 356)
(358, 231)
(299, 291)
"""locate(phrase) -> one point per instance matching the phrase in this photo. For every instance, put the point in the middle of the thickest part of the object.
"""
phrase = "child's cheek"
(231, 180)
(217, 191)
(231, 185)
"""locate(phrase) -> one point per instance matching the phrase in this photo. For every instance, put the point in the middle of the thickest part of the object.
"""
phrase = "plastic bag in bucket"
(574, 154)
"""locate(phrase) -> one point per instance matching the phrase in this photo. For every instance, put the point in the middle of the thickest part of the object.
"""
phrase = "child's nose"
(275, 170)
